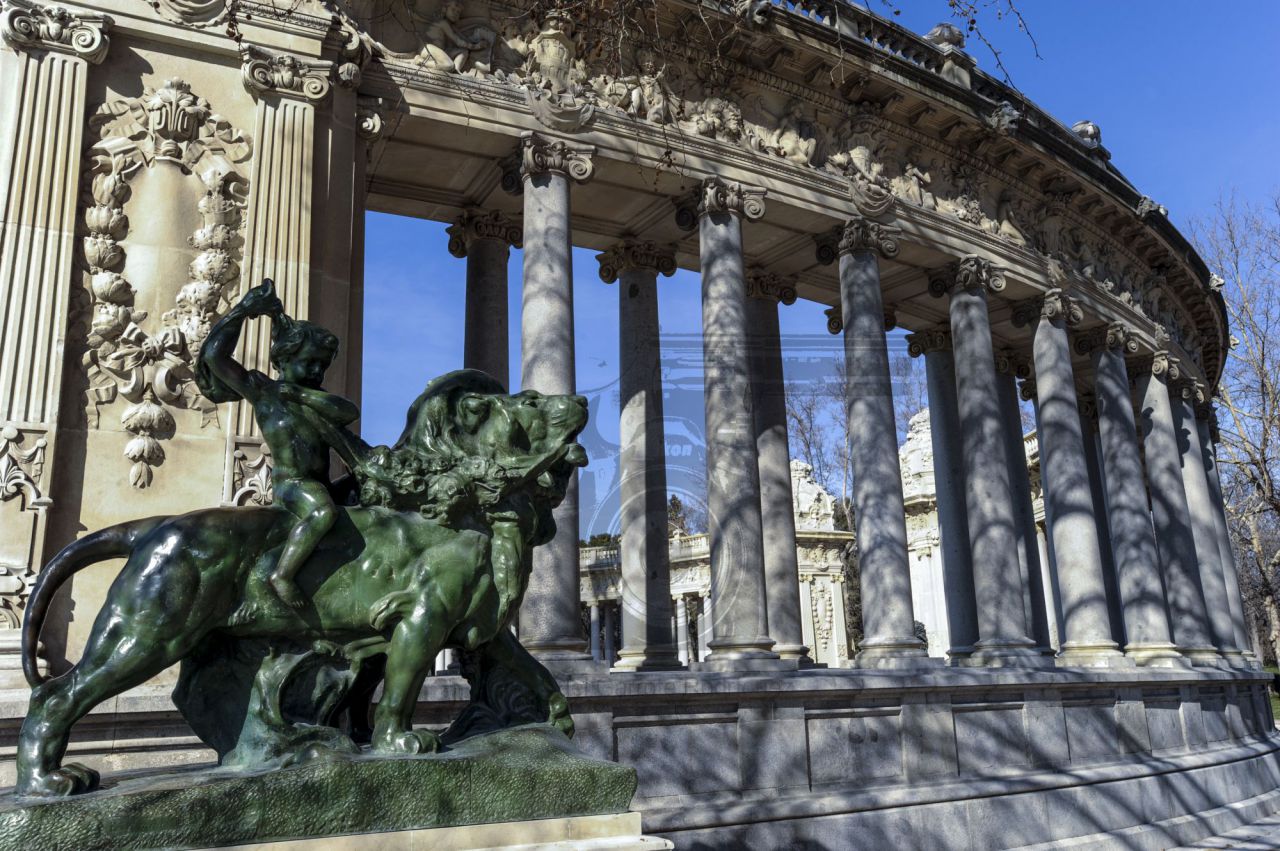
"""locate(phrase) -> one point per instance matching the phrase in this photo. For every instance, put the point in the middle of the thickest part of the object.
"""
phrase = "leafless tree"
(1241, 242)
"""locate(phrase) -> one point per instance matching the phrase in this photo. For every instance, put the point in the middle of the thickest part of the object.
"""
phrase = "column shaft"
(888, 617)
(1176, 545)
(768, 392)
(646, 575)
(594, 627)
(1086, 638)
(485, 342)
(1229, 570)
(1133, 544)
(682, 629)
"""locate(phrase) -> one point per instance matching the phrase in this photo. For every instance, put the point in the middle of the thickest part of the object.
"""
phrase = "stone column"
(1069, 509)
(1133, 543)
(888, 617)
(1200, 506)
(44, 65)
(949, 486)
(1093, 455)
(485, 240)
(733, 475)
(594, 638)
(609, 644)
(1207, 428)
(988, 495)
(765, 292)
(682, 628)
(704, 626)
(550, 625)
(642, 473)
(1175, 542)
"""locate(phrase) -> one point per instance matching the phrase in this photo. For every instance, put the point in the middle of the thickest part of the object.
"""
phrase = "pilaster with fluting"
(550, 624)
(647, 642)
(1002, 638)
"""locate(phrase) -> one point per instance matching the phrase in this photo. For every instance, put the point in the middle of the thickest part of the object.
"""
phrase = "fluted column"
(1086, 627)
(642, 474)
(1200, 507)
(1171, 518)
(888, 616)
(949, 487)
(993, 537)
(485, 240)
(1207, 427)
(733, 474)
(44, 63)
(765, 292)
(1133, 544)
(550, 625)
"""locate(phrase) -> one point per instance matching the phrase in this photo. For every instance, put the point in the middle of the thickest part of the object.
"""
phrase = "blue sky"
(1186, 96)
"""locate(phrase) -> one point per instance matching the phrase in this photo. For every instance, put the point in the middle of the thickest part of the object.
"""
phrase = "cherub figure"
(446, 49)
(649, 96)
(299, 421)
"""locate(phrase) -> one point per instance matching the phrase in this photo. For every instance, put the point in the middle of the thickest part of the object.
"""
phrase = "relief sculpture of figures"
(437, 554)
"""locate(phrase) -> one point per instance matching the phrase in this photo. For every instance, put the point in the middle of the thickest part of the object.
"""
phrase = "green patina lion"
(440, 559)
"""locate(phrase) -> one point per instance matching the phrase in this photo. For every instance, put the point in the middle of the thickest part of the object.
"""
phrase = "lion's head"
(466, 429)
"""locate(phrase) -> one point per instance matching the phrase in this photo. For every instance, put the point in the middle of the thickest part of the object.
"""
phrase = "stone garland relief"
(145, 152)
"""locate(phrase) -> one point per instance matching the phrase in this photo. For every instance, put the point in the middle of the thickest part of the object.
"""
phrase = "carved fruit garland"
(152, 370)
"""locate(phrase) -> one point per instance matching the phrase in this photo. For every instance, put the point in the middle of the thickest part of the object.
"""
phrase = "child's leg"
(309, 501)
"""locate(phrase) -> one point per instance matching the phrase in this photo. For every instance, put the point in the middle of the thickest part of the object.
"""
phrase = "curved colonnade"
(784, 151)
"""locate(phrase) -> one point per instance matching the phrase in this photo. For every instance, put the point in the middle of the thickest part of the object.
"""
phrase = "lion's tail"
(113, 542)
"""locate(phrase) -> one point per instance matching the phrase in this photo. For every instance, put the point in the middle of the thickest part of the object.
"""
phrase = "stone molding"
(265, 72)
(540, 154)
(1054, 305)
(25, 26)
(857, 234)
(767, 285)
(928, 341)
(636, 254)
(970, 272)
(718, 196)
(477, 224)
(1114, 336)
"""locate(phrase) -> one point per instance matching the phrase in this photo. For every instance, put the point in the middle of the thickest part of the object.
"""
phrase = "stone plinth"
(515, 775)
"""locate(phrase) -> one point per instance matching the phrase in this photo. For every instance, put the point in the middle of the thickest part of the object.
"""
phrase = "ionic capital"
(928, 341)
(970, 272)
(266, 72)
(1088, 403)
(370, 123)
(1189, 390)
(1028, 391)
(1158, 364)
(25, 25)
(635, 254)
(857, 234)
(543, 155)
(718, 196)
(1054, 305)
(1114, 337)
(770, 286)
(1009, 362)
(835, 321)
(473, 225)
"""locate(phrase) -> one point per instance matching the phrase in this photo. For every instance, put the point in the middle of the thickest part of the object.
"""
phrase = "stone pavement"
(1263, 835)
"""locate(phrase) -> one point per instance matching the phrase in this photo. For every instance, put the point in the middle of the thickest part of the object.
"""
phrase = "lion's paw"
(410, 741)
(71, 779)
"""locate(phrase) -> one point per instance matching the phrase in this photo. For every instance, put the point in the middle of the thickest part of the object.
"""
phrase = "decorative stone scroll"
(1009, 362)
(175, 134)
(928, 341)
(25, 25)
(266, 72)
(1158, 363)
(835, 322)
(968, 273)
(473, 225)
(719, 196)
(251, 475)
(1052, 305)
(1116, 336)
(22, 465)
(540, 154)
(770, 286)
(634, 254)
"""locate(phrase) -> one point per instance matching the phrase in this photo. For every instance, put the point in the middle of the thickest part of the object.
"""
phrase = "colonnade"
(1132, 502)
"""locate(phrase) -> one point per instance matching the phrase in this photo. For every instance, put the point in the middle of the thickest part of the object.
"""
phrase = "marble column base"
(1156, 656)
(893, 653)
(1006, 654)
(798, 652)
(1236, 658)
(742, 656)
(1204, 657)
(1102, 654)
(655, 657)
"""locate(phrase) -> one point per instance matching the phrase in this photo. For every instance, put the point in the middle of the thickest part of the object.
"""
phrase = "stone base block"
(524, 773)
(620, 832)
(1105, 655)
(1157, 656)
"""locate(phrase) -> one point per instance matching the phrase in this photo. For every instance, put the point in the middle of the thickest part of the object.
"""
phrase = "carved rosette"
(1054, 306)
(540, 155)
(1116, 337)
(634, 254)
(152, 367)
(928, 341)
(266, 72)
(27, 25)
(770, 286)
(473, 225)
(970, 272)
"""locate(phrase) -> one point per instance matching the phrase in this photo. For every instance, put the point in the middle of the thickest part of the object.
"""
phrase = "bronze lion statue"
(437, 556)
